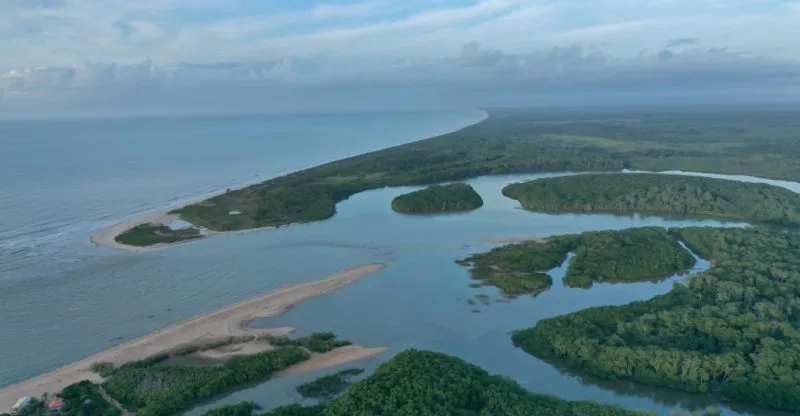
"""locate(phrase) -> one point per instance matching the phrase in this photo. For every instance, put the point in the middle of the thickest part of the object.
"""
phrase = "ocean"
(62, 299)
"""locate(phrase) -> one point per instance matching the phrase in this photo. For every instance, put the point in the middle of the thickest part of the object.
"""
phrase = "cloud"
(681, 42)
(62, 49)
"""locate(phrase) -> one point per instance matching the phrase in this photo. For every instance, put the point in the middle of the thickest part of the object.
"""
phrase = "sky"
(289, 55)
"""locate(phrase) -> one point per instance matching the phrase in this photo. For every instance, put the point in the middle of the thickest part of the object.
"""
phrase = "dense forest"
(418, 382)
(634, 254)
(151, 234)
(662, 194)
(454, 197)
(154, 386)
(760, 143)
(731, 331)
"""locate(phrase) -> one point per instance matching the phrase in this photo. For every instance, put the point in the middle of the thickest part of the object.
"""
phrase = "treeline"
(151, 234)
(662, 194)
(427, 383)
(154, 387)
(318, 342)
(456, 197)
(517, 142)
(630, 255)
(327, 387)
(731, 331)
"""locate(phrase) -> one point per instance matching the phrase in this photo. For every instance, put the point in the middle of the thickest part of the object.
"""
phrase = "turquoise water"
(62, 299)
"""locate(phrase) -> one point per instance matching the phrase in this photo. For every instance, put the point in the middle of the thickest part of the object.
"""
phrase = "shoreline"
(232, 320)
(106, 236)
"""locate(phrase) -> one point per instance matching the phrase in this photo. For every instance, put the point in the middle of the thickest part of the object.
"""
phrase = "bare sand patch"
(332, 358)
(233, 320)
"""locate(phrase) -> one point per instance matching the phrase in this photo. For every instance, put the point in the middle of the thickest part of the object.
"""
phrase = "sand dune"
(228, 321)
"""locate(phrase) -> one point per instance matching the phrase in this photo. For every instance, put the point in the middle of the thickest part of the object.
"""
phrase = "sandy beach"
(232, 320)
(107, 236)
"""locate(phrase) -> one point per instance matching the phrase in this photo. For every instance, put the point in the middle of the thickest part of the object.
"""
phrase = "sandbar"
(107, 237)
(329, 359)
(233, 320)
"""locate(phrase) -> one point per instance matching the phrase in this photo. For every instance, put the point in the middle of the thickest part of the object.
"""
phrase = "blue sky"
(58, 47)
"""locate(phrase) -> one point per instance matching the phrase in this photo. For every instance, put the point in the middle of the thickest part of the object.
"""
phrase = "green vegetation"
(427, 383)
(731, 331)
(80, 399)
(151, 234)
(155, 388)
(327, 387)
(519, 269)
(318, 342)
(630, 255)
(662, 194)
(456, 197)
(760, 142)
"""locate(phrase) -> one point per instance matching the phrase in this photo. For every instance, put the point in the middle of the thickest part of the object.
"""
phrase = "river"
(420, 300)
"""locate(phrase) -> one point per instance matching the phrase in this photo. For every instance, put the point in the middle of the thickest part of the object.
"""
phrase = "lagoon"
(420, 300)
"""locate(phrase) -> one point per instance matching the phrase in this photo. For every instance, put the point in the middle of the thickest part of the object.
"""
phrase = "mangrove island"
(455, 197)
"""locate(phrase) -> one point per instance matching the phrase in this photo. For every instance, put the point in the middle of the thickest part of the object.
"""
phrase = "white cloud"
(58, 46)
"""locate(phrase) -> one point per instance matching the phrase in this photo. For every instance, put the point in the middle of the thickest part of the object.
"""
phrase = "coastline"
(106, 237)
(232, 320)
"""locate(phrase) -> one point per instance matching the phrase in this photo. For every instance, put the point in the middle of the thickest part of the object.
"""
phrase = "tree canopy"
(455, 197)
(662, 194)
(634, 254)
(731, 331)
(520, 141)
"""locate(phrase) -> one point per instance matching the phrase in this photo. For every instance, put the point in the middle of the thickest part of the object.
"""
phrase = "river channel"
(419, 301)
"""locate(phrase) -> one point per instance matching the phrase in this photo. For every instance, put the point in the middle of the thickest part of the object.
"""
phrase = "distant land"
(756, 142)
(650, 193)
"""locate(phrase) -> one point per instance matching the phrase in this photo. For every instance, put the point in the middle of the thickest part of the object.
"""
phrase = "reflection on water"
(419, 301)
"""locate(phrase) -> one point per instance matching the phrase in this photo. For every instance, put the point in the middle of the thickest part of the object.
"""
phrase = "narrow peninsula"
(632, 255)
(678, 195)
(455, 197)
(220, 337)
(731, 331)
(522, 141)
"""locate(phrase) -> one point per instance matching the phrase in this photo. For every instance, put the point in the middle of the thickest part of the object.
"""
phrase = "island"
(418, 382)
(631, 255)
(731, 331)
(150, 234)
(521, 141)
(679, 195)
(455, 197)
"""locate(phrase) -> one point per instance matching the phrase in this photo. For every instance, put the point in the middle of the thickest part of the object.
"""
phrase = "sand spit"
(231, 320)
(333, 358)
(107, 237)
(514, 240)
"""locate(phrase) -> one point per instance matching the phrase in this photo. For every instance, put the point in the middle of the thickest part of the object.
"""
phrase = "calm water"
(62, 299)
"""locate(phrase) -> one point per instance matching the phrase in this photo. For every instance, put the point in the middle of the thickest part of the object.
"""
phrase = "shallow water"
(62, 299)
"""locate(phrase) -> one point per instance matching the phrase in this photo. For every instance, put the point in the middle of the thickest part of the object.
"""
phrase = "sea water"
(62, 299)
